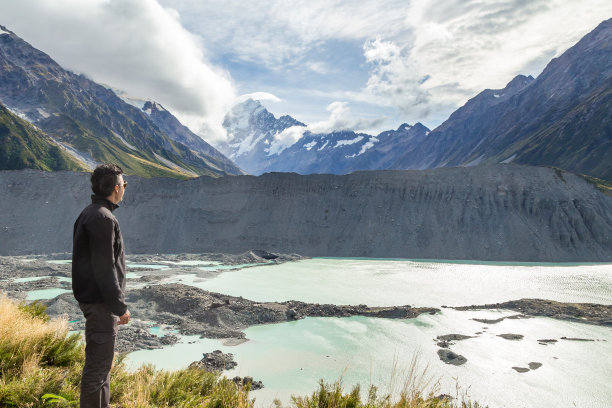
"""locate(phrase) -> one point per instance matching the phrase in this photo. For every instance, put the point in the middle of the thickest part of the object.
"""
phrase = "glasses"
(124, 184)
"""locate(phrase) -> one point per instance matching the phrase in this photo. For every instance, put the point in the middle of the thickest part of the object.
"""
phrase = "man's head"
(107, 181)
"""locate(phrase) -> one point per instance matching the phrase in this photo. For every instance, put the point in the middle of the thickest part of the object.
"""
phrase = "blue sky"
(368, 65)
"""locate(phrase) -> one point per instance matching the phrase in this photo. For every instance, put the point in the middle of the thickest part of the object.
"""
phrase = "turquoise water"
(291, 357)
(45, 294)
(61, 261)
(390, 282)
(220, 267)
(37, 278)
(30, 279)
(130, 265)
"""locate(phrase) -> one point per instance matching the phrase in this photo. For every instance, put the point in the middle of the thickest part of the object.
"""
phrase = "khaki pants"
(100, 335)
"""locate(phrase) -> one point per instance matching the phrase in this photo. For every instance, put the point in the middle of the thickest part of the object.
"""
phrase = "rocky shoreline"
(214, 315)
(590, 313)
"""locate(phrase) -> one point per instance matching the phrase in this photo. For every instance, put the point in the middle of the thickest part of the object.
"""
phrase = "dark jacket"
(98, 257)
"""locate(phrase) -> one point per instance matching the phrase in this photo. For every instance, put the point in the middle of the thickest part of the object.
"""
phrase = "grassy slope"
(23, 146)
(38, 357)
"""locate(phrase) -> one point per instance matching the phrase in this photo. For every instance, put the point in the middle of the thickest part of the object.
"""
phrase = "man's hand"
(125, 318)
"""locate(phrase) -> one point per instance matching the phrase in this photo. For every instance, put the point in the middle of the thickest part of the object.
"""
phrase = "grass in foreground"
(41, 364)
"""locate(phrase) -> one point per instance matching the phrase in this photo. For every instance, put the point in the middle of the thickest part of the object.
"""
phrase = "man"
(98, 281)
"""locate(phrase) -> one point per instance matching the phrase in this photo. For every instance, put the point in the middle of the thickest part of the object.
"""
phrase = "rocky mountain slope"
(89, 120)
(23, 146)
(560, 119)
(168, 123)
(500, 212)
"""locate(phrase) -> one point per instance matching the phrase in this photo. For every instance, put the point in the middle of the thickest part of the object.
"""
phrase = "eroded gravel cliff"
(501, 212)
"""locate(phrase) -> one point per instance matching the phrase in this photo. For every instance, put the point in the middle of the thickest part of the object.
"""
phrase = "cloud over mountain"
(135, 45)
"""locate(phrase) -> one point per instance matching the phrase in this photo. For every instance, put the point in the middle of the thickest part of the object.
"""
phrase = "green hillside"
(23, 146)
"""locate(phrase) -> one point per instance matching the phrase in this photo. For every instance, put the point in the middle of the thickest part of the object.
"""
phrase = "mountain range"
(253, 144)
(91, 123)
(562, 119)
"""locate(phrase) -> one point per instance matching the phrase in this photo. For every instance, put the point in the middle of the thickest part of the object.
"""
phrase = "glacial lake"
(290, 358)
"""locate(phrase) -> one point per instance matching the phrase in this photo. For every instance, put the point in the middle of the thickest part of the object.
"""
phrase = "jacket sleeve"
(101, 244)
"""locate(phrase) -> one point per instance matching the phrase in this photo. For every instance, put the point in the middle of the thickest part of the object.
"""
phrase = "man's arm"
(101, 236)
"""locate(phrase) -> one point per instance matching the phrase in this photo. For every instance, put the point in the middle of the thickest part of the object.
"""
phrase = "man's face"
(120, 188)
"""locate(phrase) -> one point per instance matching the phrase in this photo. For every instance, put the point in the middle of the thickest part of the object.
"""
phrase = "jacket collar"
(96, 199)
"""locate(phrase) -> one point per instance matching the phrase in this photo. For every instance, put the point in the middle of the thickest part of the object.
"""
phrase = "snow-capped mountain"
(256, 145)
(251, 131)
(343, 152)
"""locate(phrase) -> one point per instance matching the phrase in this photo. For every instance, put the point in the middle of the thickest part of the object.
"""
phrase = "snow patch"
(174, 165)
(83, 157)
(370, 143)
(285, 139)
(497, 96)
(124, 141)
(246, 145)
(310, 145)
(20, 114)
(2, 32)
(509, 159)
(240, 115)
(348, 142)
(323, 147)
(43, 113)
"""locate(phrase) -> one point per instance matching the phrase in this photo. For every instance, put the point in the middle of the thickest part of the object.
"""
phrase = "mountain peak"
(518, 83)
(403, 127)
(3, 30)
(152, 106)
(251, 104)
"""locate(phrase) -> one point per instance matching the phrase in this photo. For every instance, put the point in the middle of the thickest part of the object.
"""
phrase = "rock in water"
(535, 365)
(216, 361)
(511, 336)
(451, 358)
(248, 381)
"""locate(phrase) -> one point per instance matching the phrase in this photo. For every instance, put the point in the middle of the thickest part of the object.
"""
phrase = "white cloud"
(285, 139)
(277, 34)
(340, 118)
(424, 56)
(135, 45)
(257, 96)
(396, 78)
(460, 48)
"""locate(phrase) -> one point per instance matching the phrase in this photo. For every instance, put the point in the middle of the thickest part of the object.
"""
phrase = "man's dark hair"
(104, 179)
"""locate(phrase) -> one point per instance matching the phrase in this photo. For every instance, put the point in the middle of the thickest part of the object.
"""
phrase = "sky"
(367, 65)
